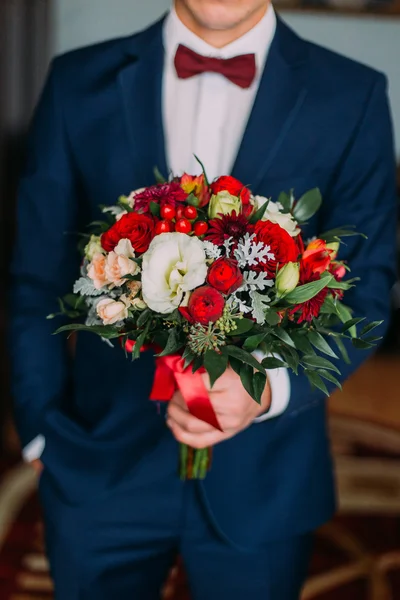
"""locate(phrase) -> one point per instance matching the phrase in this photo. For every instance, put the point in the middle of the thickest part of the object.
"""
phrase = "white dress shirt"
(206, 116)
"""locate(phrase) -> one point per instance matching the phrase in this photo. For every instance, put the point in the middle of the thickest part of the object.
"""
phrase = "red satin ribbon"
(170, 376)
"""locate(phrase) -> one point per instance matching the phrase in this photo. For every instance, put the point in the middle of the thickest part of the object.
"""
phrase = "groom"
(228, 81)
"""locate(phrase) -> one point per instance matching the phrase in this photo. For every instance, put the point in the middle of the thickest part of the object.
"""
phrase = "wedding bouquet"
(205, 274)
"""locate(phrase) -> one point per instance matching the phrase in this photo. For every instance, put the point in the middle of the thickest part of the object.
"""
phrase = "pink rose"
(97, 270)
(117, 267)
(111, 311)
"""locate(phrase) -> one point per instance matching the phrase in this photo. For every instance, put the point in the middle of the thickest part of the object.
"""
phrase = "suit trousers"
(122, 544)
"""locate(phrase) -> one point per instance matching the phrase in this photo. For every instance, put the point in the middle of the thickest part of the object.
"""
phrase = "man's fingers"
(187, 421)
(199, 440)
(37, 465)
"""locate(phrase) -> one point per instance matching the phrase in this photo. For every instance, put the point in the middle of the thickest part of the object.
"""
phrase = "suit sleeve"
(363, 194)
(44, 266)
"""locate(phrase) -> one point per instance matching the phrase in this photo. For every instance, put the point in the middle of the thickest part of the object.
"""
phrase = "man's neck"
(216, 37)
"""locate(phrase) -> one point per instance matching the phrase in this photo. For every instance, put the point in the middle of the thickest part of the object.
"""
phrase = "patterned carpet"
(356, 556)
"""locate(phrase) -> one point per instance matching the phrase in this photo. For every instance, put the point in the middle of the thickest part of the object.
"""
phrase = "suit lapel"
(280, 95)
(141, 95)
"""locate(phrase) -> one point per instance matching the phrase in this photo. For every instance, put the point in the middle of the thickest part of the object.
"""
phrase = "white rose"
(173, 265)
(223, 203)
(111, 311)
(274, 214)
(125, 248)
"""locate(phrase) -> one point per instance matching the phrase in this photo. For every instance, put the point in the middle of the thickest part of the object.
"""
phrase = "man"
(293, 115)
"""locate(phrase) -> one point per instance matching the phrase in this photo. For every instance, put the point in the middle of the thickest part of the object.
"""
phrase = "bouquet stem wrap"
(171, 376)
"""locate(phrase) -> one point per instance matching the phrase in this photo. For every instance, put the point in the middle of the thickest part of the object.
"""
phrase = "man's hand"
(234, 407)
(38, 467)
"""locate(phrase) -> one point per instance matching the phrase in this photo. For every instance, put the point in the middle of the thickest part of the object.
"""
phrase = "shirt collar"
(256, 41)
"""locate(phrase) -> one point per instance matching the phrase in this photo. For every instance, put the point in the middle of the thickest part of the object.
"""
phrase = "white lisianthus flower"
(173, 265)
(274, 214)
(130, 200)
(93, 247)
(112, 311)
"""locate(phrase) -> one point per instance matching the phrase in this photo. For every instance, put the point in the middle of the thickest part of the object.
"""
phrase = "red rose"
(233, 186)
(282, 245)
(205, 305)
(224, 275)
(137, 228)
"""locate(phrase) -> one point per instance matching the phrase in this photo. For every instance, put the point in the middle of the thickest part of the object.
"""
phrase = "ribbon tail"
(196, 397)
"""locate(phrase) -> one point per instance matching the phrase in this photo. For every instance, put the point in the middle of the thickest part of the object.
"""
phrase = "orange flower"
(318, 256)
(196, 186)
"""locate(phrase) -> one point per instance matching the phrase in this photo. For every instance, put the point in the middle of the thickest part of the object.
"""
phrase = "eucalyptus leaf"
(286, 199)
(370, 327)
(215, 365)
(252, 343)
(305, 292)
(307, 205)
(316, 381)
(273, 363)
(243, 356)
(247, 379)
(259, 381)
(317, 362)
(319, 342)
(272, 318)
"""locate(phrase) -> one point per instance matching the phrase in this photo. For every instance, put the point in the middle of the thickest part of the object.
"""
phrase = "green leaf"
(327, 375)
(317, 362)
(334, 235)
(307, 205)
(272, 318)
(158, 176)
(342, 349)
(243, 326)
(192, 200)
(140, 341)
(197, 364)
(316, 381)
(106, 331)
(319, 342)
(302, 343)
(243, 356)
(370, 327)
(188, 358)
(349, 324)
(291, 357)
(251, 343)
(144, 317)
(273, 363)
(362, 344)
(235, 364)
(259, 381)
(155, 209)
(305, 292)
(286, 199)
(247, 379)
(203, 169)
(258, 215)
(173, 344)
(283, 336)
(215, 365)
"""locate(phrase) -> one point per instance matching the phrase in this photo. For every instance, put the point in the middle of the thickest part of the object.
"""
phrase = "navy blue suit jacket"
(319, 120)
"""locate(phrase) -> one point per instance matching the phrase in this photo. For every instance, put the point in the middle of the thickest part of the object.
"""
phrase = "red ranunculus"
(225, 276)
(233, 186)
(137, 228)
(206, 305)
(282, 246)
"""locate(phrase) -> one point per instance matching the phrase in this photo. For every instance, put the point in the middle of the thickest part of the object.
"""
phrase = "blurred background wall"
(374, 40)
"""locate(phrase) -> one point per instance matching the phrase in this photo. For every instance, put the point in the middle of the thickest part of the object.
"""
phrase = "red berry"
(200, 228)
(190, 212)
(164, 227)
(167, 212)
(183, 226)
(179, 212)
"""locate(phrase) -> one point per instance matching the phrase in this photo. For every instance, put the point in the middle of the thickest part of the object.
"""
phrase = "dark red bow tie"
(241, 70)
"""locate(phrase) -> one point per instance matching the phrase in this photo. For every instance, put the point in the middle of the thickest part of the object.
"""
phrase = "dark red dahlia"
(233, 225)
(307, 311)
(163, 194)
